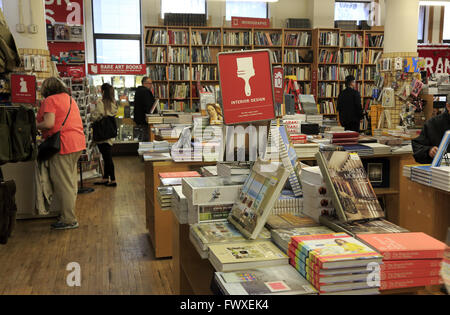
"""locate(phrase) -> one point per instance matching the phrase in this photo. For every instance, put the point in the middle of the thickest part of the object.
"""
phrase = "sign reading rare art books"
(246, 86)
(117, 69)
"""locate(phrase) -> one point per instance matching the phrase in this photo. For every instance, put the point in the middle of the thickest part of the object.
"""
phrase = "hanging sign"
(23, 89)
(117, 69)
(246, 22)
(437, 58)
(246, 86)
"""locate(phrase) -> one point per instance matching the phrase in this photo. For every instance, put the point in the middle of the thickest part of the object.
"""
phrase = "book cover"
(257, 198)
(247, 252)
(62, 32)
(270, 280)
(399, 246)
(50, 32)
(333, 248)
(442, 149)
(353, 195)
(179, 174)
(410, 273)
(400, 265)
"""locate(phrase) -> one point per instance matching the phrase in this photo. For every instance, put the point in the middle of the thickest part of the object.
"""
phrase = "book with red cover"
(409, 283)
(410, 273)
(341, 134)
(179, 174)
(400, 246)
(401, 265)
(344, 140)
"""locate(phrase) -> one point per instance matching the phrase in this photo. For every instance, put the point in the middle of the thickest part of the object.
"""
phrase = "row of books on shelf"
(205, 38)
(294, 56)
(202, 55)
(329, 39)
(300, 39)
(267, 39)
(238, 38)
(327, 107)
(350, 40)
(302, 73)
(163, 37)
(350, 57)
(327, 73)
(328, 56)
(328, 89)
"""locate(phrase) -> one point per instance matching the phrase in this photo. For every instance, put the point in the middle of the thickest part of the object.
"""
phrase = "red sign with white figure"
(117, 69)
(246, 86)
(278, 81)
(23, 89)
(246, 22)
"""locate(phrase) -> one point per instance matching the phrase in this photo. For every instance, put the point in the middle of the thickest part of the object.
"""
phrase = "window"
(446, 31)
(421, 29)
(183, 6)
(117, 31)
(351, 11)
(253, 9)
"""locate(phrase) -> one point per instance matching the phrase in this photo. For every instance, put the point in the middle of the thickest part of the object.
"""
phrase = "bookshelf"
(182, 59)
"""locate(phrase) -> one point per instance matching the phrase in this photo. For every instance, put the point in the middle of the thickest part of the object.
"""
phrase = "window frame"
(444, 40)
(421, 41)
(359, 1)
(267, 10)
(117, 36)
(162, 16)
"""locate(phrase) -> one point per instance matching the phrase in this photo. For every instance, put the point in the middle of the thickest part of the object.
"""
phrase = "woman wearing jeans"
(63, 165)
(106, 107)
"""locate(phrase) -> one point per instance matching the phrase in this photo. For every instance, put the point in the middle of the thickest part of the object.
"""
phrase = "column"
(321, 13)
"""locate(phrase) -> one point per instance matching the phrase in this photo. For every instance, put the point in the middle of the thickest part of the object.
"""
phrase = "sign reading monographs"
(246, 86)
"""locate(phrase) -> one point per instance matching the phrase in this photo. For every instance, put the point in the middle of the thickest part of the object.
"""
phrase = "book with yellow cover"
(238, 256)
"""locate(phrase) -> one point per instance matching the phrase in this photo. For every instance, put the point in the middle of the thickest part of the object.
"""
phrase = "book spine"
(410, 264)
(408, 274)
(404, 255)
(408, 283)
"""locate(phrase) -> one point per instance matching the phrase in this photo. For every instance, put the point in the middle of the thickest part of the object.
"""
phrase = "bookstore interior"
(283, 147)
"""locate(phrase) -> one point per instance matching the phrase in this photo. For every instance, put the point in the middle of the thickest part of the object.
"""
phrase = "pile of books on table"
(440, 177)
(379, 149)
(336, 263)
(315, 119)
(179, 205)
(153, 147)
(421, 174)
(306, 150)
(233, 168)
(409, 259)
(342, 137)
(164, 196)
(362, 150)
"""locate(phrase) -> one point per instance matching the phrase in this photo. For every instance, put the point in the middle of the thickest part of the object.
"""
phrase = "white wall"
(26, 40)
(401, 26)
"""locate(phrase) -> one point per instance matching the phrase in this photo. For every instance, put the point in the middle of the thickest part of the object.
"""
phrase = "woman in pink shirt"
(62, 166)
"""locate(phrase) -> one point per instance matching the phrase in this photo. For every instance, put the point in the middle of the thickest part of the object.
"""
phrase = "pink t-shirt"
(72, 134)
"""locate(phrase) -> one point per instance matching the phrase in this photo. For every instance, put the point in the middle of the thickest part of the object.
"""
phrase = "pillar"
(321, 13)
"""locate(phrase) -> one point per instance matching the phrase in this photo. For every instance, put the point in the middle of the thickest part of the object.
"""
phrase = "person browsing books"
(349, 106)
(426, 144)
(106, 107)
(143, 102)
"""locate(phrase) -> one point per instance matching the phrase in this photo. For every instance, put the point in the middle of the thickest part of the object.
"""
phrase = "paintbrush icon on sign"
(245, 71)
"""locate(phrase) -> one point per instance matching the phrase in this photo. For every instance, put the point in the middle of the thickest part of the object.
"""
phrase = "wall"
(26, 40)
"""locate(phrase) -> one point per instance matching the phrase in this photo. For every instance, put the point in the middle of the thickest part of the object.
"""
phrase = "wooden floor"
(111, 245)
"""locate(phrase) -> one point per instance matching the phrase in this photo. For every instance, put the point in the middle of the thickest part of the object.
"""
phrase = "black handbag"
(52, 144)
(104, 128)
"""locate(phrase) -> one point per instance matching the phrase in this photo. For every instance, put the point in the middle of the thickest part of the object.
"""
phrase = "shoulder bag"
(52, 144)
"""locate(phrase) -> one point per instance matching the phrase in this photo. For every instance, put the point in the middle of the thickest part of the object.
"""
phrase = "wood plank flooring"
(111, 245)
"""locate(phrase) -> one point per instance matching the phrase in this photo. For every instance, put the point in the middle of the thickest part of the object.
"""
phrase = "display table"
(425, 209)
(159, 222)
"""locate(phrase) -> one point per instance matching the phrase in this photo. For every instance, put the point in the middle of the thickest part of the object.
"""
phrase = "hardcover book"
(245, 255)
(409, 283)
(353, 195)
(257, 197)
(283, 280)
(337, 250)
(282, 237)
(400, 246)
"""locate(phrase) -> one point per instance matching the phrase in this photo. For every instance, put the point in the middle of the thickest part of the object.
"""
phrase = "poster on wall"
(69, 12)
(437, 58)
(246, 86)
(23, 89)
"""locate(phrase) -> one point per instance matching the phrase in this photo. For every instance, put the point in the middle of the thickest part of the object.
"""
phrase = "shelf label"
(117, 69)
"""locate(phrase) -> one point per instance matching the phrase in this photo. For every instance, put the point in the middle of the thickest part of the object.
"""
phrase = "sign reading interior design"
(117, 69)
(246, 86)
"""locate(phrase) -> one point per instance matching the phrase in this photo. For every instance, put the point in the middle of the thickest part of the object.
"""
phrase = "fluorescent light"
(437, 3)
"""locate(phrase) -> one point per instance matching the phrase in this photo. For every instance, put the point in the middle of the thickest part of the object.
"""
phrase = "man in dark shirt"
(143, 102)
(426, 144)
(349, 106)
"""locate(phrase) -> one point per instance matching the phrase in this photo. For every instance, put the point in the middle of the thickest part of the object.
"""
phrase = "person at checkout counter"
(426, 144)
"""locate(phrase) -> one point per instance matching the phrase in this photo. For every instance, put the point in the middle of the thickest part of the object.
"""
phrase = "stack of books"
(154, 119)
(298, 138)
(233, 168)
(336, 263)
(293, 123)
(379, 149)
(362, 150)
(283, 280)
(407, 170)
(421, 174)
(315, 119)
(204, 235)
(282, 237)
(179, 205)
(152, 147)
(440, 177)
(164, 196)
(306, 150)
(317, 198)
(342, 137)
(409, 259)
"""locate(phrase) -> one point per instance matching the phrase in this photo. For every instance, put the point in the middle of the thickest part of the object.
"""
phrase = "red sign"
(278, 82)
(117, 69)
(246, 22)
(23, 89)
(437, 58)
(64, 11)
(246, 86)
